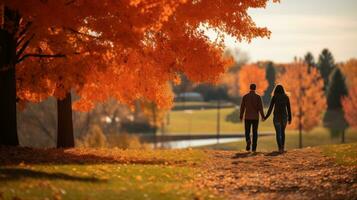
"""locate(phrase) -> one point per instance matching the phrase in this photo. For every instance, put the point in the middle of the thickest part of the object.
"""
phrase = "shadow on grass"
(252, 154)
(246, 154)
(9, 174)
(273, 153)
(17, 155)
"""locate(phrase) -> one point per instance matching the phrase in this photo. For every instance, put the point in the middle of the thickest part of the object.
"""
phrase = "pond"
(180, 144)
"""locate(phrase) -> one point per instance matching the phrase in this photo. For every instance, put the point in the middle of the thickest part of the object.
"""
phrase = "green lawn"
(64, 178)
(318, 136)
(205, 121)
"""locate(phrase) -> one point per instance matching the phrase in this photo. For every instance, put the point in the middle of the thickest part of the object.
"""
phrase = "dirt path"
(297, 174)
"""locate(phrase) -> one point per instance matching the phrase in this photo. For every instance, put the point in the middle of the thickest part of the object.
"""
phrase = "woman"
(282, 114)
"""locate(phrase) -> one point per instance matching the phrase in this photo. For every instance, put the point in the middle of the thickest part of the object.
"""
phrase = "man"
(252, 106)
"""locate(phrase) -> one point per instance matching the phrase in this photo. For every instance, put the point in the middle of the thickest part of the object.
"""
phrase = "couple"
(252, 106)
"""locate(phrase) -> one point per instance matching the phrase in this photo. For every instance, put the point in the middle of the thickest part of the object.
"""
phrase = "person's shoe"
(248, 146)
(281, 150)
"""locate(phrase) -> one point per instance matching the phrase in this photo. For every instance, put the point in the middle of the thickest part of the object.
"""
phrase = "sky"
(299, 26)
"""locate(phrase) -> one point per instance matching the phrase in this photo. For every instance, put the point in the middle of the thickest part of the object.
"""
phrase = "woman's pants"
(280, 133)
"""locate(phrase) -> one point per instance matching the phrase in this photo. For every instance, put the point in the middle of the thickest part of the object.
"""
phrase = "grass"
(72, 175)
(345, 154)
(104, 181)
(317, 137)
(205, 122)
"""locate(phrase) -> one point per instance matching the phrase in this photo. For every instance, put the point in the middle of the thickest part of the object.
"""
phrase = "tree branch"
(22, 49)
(41, 56)
(25, 29)
(80, 33)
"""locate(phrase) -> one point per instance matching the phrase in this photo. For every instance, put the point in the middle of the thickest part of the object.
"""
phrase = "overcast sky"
(299, 26)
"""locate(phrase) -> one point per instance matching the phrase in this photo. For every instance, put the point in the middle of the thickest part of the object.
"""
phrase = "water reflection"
(180, 144)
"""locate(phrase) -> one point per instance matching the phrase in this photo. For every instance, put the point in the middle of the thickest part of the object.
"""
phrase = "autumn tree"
(306, 95)
(349, 104)
(252, 74)
(349, 70)
(34, 32)
(127, 50)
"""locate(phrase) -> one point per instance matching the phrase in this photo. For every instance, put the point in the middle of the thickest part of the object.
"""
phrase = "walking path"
(297, 174)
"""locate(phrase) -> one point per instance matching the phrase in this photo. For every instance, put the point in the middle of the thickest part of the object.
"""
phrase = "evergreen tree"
(334, 118)
(309, 60)
(270, 75)
(326, 64)
(336, 90)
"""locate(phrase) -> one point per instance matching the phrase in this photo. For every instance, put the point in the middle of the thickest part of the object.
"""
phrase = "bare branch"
(80, 33)
(19, 41)
(25, 29)
(41, 56)
(23, 48)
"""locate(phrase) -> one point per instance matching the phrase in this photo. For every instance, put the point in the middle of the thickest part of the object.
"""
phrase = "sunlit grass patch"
(343, 154)
(103, 181)
(115, 174)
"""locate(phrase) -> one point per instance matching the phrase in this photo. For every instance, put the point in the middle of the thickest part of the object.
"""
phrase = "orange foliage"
(306, 93)
(252, 74)
(128, 49)
(349, 69)
(349, 105)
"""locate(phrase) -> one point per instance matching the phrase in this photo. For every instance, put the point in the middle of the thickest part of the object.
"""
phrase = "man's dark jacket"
(251, 105)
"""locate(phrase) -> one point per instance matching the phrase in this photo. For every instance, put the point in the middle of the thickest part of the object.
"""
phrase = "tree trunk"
(218, 124)
(65, 138)
(300, 127)
(8, 124)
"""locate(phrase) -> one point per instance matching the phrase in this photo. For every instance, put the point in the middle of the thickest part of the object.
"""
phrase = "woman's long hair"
(279, 90)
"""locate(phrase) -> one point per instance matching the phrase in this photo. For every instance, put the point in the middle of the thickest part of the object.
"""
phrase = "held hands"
(264, 118)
